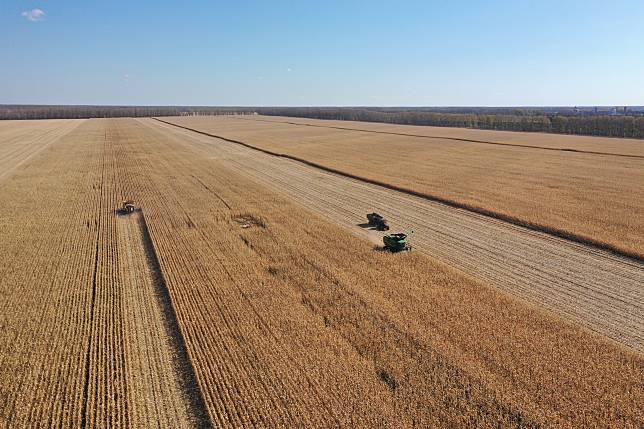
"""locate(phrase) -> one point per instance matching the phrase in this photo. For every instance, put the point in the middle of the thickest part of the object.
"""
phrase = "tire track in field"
(595, 288)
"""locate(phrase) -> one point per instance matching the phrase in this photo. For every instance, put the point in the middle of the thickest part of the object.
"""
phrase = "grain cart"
(396, 242)
(377, 221)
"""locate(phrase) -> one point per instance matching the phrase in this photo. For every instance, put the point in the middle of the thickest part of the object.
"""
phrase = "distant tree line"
(588, 122)
(595, 125)
(82, 112)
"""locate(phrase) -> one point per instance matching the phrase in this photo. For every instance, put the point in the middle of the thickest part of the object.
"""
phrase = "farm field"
(226, 301)
(22, 140)
(598, 198)
(608, 145)
(81, 341)
(597, 289)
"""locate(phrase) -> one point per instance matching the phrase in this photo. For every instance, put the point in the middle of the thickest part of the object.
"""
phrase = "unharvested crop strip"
(183, 364)
(93, 301)
(580, 239)
(261, 320)
(460, 139)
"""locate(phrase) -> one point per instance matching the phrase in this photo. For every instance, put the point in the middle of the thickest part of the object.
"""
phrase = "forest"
(631, 126)
(628, 124)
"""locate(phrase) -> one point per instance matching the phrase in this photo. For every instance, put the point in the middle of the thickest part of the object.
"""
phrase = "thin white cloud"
(34, 15)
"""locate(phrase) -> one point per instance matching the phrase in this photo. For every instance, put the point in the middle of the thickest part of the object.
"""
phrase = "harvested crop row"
(289, 321)
(156, 395)
(594, 197)
(71, 349)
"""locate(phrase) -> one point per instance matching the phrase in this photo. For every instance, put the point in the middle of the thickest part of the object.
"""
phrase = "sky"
(322, 53)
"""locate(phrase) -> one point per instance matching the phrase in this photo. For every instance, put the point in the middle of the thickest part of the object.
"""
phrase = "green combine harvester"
(396, 242)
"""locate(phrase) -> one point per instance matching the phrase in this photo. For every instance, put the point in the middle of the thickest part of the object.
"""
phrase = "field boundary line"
(180, 357)
(460, 139)
(556, 232)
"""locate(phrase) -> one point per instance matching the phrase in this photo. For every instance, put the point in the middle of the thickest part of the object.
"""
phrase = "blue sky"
(430, 53)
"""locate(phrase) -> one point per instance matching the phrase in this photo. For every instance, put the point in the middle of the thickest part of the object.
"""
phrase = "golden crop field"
(21, 141)
(222, 303)
(594, 197)
(619, 146)
(80, 343)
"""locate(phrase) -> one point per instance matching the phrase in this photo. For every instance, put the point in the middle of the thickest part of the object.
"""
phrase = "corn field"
(222, 303)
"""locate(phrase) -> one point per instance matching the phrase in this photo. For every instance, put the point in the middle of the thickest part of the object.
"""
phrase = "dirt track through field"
(602, 291)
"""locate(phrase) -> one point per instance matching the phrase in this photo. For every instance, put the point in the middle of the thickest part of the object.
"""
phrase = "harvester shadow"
(366, 226)
(180, 357)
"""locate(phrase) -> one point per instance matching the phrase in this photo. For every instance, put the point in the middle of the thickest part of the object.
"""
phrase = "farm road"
(597, 289)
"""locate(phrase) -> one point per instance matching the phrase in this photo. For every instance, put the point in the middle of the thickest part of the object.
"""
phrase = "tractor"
(378, 222)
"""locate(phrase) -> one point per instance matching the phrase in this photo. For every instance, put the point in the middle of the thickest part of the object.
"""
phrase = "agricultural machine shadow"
(181, 360)
(367, 226)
